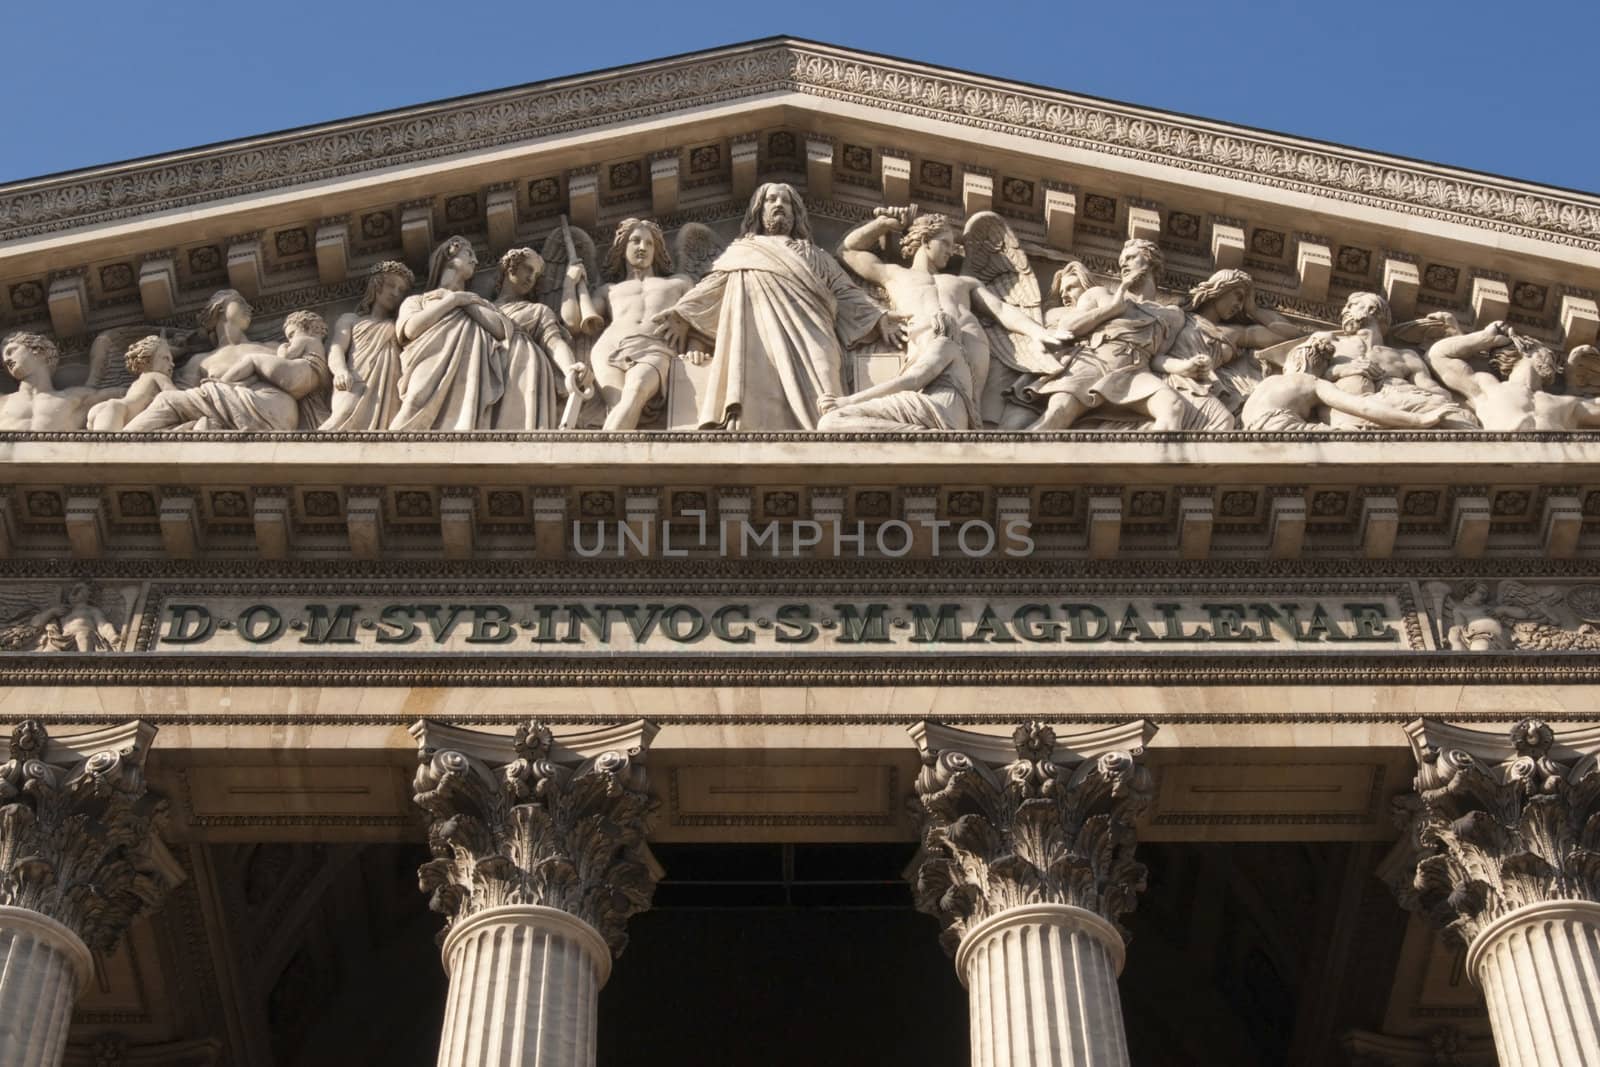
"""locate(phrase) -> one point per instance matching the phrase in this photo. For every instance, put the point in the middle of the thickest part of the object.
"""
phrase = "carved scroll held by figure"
(37, 404)
(1514, 395)
(1211, 363)
(250, 399)
(780, 311)
(77, 622)
(453, 356)
(631, 363)
(540, 363)
(1126, 329)
(1299, 398)
(151, 360)
(993, 256)
(948, 349)
(364, 354)
(1367, 365)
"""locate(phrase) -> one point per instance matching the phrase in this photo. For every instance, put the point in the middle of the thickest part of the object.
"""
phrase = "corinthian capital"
(1033, 819)
(1496, 822)
(536, 819)
(79, 837)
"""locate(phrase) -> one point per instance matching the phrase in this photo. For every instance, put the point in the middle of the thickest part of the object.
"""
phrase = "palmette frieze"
(261, 164)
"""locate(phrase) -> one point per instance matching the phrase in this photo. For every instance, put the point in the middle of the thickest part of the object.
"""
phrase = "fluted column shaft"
(43, 967)
(1042, 989)
(524, 988)
(1539, 968)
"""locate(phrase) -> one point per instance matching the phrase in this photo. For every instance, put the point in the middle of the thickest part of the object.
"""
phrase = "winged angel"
(631, 364)
(943, 381)
(75, 623)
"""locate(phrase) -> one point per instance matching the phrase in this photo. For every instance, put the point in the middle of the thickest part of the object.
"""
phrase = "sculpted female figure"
(454, 354)
(1204, 365)
(271, 397)
(365, 354)
(540, 363)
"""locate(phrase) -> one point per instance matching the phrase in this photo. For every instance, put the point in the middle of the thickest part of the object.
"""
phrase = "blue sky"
(1510, 88)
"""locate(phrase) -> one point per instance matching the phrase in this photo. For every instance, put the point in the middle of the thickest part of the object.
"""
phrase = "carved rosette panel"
(540, 822)
(1495, 826)
(1035, 828)
(79, 830)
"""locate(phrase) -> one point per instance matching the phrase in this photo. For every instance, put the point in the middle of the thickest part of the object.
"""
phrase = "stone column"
(540, 860)
(1027, 863)
(1501, 848)
(80, 858)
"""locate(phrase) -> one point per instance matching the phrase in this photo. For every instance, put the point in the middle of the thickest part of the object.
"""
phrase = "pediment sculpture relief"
(919, 321)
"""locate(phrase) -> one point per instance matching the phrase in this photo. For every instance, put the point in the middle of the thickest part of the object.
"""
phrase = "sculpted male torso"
(37, 404)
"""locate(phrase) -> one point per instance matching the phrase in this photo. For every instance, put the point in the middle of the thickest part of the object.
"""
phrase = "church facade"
(782, 549)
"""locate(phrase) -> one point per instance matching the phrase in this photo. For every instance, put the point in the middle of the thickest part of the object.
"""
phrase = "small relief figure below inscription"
(1505, 615)
(75, 624)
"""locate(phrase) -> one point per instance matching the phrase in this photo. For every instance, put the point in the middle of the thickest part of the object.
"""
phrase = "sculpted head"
(454, 257)
(518, 272)
(387, 285)
(227, 307)
(1526, 356)
(935, 232)
(26, 353)
(776, 209)
(1071, 282)
(1225, 292)
(304, 324)
(1140, 256)
(1311, 356)
(639, 245)
(1365, 309)
(149, 354)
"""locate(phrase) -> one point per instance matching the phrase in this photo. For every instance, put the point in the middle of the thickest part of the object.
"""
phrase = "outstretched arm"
(1374, 410)
(1017, 322)
(338, 360)
(1448, 357)
(914, 377)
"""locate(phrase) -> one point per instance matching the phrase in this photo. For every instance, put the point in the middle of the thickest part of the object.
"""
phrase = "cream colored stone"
(1042, 989)
(1287, 520)
(1580, 320)
(1469, 526)
(68, 301)
(1227, 245)
(1491, 299)
(1539, 968)
(525, 986)
(500, 212)
(158, 286)
(333, 251)
(180, 525)
(664, 183)
(583, 197)
(744, 155)
(1196, 518)
(44, 966)
(977, 191)
(1401, 280)
(1060, 218)
(1314, 264)
(416, 232)
(895, 177)
(1144, 223)
(819, 166)
(1378, 526)
(245, 266)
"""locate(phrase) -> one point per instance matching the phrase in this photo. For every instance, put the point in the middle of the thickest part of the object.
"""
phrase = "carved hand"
(696, 356)
(1056, 340)
(341, 381)
(671, 328)
(577, 274)
(892, 328)
(827, 402)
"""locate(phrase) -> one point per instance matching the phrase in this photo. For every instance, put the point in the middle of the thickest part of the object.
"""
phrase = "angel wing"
(695, 248)
(556, 262)
(1518, 601)
(108, 368)
(994, 257)
(1420, 333)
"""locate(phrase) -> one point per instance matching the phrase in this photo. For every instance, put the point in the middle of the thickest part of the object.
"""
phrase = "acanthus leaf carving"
(79, 830)
(560, 824)
(1493, 827)
(1000, 833)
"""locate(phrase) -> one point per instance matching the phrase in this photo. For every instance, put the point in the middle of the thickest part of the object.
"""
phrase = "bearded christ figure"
(780, 312)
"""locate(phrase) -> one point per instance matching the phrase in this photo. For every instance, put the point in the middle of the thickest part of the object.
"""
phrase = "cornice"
(682, 84)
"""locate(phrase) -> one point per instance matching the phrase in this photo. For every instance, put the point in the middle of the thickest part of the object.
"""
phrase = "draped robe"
(452, 375)
(781, 311)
